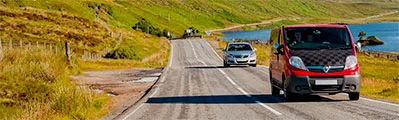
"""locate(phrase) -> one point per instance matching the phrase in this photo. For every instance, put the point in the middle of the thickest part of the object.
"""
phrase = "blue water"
(386, 31)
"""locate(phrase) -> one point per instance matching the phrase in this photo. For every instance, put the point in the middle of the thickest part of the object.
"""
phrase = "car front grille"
(242, 61)
(241, 56)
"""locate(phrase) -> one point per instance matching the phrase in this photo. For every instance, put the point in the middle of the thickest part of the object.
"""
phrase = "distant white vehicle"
(239, 53)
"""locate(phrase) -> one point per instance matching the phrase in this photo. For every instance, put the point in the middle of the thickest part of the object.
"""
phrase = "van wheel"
(275, 91)
(288, 96)
(354, 96)
(253, 65)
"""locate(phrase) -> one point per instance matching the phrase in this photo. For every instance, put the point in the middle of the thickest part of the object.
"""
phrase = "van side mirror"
(278, 48)
(276, 45)
(358, 46)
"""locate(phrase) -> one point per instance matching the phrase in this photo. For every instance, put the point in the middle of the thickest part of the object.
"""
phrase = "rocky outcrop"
(371, 40)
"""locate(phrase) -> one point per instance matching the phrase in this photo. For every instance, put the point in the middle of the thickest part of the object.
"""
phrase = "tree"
(361, 35)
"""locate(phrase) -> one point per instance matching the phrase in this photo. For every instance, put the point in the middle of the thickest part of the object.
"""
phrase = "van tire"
(253, 65)
(275, 91)
(354, 96)
(288, 96)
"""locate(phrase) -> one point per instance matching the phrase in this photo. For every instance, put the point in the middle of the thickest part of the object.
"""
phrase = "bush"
(34, 84)
(124, 53)
(147, 27)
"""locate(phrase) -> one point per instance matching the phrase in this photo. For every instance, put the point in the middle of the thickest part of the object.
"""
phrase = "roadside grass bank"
(380, 76)
(34, 84)
(84, 35)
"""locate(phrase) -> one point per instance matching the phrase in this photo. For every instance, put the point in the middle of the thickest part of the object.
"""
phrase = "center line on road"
(234, 83)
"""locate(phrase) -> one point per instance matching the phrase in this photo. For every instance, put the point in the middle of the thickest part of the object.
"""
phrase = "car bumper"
(241, 61)
(308, 85)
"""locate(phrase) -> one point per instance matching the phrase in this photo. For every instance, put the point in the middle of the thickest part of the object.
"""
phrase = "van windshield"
(317, 38)
(239, 47)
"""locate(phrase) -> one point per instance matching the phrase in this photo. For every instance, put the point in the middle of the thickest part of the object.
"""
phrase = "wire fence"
(63, 48)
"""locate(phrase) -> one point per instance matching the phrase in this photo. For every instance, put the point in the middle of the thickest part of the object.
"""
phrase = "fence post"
(119, 41)
(67, 52)
(56, 50)
(20, 44)
(1, 50)
(10, 44)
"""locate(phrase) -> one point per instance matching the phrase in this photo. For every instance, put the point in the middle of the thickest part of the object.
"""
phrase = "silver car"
(239, 53)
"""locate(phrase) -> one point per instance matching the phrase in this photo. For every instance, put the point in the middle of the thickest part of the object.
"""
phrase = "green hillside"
(95, 25)
(177, 15)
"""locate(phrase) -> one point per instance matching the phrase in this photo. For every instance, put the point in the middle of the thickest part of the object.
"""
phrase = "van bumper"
(307, 84)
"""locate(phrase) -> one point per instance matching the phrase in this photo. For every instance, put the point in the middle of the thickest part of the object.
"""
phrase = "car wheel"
(225, 64)
(254, 65)
(354, 96)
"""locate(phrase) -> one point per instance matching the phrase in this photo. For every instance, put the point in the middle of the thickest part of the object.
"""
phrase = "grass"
(34, 84)
(380, 77)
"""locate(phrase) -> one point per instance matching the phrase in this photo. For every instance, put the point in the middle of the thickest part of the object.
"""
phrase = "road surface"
(196, 86)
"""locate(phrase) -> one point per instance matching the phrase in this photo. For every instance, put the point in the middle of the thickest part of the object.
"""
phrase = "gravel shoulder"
(124, 86)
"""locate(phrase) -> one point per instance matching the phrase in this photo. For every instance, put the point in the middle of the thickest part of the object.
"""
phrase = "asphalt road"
(196, 86)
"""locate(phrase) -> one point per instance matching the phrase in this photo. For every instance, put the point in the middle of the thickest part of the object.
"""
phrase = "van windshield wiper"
(343, 48)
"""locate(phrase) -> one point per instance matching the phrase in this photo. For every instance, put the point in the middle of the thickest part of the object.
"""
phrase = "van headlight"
(297, 63)
(350, 61)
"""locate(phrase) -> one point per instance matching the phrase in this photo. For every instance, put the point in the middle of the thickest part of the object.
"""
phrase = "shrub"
(147, 27)
(124, 53)
(34, 84)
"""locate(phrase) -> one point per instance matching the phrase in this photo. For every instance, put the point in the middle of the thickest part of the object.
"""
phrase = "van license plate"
(326, 82)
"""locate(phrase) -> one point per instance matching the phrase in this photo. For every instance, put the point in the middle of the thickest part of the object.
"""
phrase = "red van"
(313, 59)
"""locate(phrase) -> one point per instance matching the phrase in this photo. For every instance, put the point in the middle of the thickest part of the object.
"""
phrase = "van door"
(274, 58)
(280, 59)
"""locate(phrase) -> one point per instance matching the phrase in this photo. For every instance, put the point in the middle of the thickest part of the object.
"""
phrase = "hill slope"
(177, 15)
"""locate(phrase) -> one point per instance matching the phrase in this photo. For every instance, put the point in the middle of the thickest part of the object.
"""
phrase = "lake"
(386, 31)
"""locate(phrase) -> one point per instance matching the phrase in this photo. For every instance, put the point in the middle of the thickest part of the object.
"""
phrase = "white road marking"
(213, 50)
(377, 101)
(234, 83)
(158, 87)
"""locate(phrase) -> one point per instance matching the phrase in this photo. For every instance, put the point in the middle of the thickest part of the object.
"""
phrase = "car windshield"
(317, 38)
(239, 47)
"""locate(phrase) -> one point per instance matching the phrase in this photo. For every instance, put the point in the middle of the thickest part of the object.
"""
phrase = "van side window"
(274, 36)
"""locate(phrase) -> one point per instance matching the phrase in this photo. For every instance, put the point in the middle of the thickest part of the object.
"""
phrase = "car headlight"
(297, 63)
(252, 54)
(350, 61)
